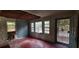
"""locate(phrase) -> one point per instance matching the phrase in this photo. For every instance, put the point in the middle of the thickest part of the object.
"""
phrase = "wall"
(73, 31)
(3, 31)
(21, 29)
(78, 33)
(52, 36)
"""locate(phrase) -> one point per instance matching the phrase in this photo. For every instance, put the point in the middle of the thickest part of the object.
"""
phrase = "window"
(63, 30)
(38, 27)
(46, 27)
(10, 26)
(32, 27)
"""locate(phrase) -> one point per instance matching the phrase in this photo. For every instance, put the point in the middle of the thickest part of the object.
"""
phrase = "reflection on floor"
(33, 43)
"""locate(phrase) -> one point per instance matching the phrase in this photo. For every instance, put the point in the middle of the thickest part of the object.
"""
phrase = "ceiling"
(31, 14)
(18, 14)
(44, 13)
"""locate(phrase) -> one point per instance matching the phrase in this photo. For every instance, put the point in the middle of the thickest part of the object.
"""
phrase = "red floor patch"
(32, 43)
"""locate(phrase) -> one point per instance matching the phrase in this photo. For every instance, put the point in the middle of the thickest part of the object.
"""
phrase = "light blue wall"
(21, 29)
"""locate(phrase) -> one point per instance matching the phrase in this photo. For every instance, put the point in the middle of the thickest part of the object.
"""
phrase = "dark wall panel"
(21, 29)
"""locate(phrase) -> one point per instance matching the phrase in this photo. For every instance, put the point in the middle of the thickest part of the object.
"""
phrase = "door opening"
(11, 29)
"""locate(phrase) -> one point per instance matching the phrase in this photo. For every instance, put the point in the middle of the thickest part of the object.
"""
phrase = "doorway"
(11, 29)
(63, 31)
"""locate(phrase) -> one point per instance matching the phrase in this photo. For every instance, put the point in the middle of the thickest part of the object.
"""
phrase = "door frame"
(56, 30)
(73, 33)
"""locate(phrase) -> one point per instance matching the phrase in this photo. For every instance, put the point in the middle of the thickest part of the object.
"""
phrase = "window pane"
(32, 27)
(32, 24)
(46, 22)
(47, 32)
(38, 27)
(10, 26)
(46, 27)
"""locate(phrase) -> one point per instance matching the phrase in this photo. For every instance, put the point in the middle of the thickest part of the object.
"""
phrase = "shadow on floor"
(7, 46)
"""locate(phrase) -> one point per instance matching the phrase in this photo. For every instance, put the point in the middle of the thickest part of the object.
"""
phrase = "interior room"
(39, 28)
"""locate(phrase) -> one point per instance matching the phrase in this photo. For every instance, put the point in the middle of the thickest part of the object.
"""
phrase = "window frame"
(47, 26)
(56, 30)
(32, 27)
(38, 28)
